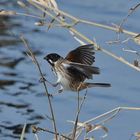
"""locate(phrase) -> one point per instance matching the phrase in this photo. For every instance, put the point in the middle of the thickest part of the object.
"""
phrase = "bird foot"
(55, 84)
(42, 79)
(60, 90)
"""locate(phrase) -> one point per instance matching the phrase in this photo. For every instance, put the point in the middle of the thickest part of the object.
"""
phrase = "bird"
(75, 68)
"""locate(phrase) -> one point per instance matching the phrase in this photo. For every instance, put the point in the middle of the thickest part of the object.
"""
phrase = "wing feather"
(81, 71)
(83, 54)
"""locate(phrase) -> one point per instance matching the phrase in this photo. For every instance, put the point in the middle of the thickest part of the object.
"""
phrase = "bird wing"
(83, 70)
(86, 69)
(83, 54)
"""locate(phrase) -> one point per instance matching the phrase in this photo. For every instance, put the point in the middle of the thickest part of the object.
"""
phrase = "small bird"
(75, 68)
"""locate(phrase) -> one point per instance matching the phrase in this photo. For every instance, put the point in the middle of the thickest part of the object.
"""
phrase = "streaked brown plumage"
(75, 68)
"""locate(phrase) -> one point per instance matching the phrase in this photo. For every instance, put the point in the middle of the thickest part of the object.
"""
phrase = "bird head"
(52, 58)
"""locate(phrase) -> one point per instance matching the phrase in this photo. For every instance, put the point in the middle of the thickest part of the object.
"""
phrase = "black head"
(51, 58)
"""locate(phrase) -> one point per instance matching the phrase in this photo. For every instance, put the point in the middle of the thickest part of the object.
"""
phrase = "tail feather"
(98, 84)
(90, 85)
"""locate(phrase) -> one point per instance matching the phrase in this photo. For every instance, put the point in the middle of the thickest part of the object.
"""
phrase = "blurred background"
(22, 96)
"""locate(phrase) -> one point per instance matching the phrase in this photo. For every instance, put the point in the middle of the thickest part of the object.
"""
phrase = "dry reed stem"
(37, 129)
(23, 132)
(85, 38)
(108, 27)
(132, 10)
(114, 111)
(44, 84)
(79, 107)
(79, 20)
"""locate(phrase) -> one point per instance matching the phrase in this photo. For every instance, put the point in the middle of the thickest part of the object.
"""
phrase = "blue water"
(22, 96)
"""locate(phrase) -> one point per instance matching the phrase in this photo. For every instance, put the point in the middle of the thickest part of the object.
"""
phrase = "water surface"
(22, 97)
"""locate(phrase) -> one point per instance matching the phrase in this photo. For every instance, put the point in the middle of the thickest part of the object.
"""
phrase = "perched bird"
(75, 68)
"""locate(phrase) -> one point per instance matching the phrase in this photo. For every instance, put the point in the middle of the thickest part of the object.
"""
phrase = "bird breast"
(63, 81)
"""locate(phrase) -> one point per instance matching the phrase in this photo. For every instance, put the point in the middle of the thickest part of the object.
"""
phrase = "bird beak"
(45, 58)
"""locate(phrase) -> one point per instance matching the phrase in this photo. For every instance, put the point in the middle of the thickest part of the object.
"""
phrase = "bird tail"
(90, 85)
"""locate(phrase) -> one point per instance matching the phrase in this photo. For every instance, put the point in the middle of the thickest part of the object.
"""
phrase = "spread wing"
(83, 54)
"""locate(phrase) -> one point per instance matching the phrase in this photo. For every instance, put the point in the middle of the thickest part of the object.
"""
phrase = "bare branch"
(44, 84)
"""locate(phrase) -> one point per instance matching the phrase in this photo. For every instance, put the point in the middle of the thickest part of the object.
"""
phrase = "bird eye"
(56, 56)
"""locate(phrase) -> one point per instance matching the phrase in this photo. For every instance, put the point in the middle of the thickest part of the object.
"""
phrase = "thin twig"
(37, 129)
(29, 15)
(77, 115)
(118, 109)
(23, 132)
(129, 13)
(36, 136)
(44, 84)
(114, 113)
(106, 27)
